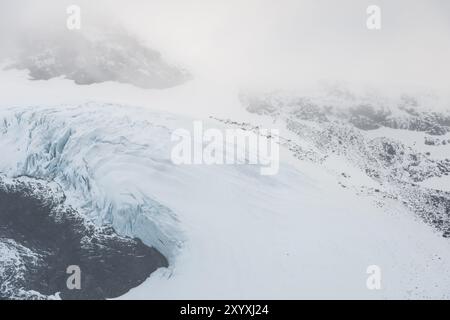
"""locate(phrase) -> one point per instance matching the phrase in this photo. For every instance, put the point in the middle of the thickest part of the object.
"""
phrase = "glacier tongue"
(96, 155)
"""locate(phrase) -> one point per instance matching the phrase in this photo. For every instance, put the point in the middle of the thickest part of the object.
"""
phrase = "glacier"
(227, 231)
(69, 146)
(86, 119)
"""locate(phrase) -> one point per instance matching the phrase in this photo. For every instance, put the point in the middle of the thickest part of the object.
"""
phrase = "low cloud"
(284, 43)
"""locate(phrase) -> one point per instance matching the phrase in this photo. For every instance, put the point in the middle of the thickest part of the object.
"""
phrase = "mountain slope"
(227, 231)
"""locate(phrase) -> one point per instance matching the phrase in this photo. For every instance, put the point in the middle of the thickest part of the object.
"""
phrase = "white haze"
(268, 43)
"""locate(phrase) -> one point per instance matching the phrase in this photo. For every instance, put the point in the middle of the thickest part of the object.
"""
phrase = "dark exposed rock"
(43, 237)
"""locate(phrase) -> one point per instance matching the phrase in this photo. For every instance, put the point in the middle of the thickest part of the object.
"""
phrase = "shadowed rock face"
(40, 238)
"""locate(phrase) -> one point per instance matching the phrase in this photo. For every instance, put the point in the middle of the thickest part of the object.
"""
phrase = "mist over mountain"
(115, 56)
(87, 123)
(265, 44)
(100, 51)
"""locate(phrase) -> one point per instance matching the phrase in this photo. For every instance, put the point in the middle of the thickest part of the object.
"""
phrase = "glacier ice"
(94, 152)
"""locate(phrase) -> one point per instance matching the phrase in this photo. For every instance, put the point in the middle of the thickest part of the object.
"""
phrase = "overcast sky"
(276, 42)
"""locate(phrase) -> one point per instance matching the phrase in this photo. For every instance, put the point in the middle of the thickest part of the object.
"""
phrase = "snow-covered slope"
(394, 145)
(362, 181)
(228, 231)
